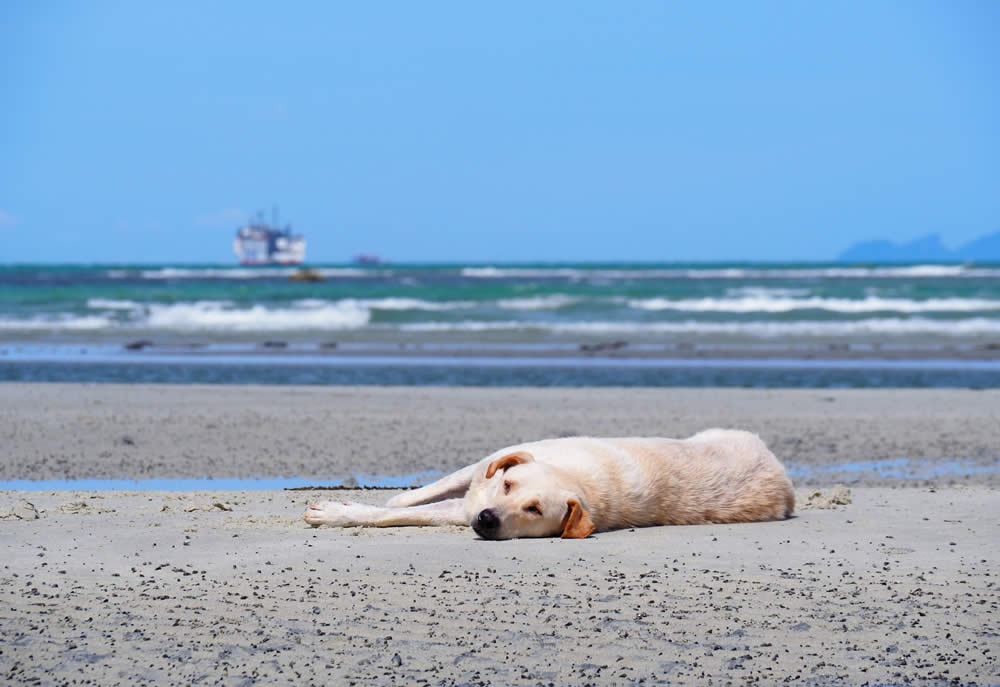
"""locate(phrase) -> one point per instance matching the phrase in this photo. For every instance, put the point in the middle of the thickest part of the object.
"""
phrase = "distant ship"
(260, 243)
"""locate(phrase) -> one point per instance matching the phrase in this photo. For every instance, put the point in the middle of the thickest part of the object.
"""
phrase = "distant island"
(927, 248)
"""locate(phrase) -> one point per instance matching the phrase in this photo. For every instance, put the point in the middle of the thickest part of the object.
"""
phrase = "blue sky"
(496, 131)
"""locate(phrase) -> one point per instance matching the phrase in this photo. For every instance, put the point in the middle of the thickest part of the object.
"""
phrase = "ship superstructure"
(260, 243)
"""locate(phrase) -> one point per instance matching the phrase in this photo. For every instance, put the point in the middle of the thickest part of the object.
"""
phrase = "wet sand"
(67, 431)
(896, 586)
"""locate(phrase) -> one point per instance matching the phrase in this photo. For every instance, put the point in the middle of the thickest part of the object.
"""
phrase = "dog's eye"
(506, 487)
(533, 509)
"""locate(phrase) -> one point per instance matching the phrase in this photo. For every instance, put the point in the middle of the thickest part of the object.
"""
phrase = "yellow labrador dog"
(574, 486)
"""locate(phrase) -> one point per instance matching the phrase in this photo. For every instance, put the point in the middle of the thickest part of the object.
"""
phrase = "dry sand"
(899, 585)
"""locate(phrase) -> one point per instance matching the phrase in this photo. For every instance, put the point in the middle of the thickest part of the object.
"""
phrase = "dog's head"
(521, 497)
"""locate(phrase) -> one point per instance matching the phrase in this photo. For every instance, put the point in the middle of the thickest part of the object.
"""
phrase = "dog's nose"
(486, 523)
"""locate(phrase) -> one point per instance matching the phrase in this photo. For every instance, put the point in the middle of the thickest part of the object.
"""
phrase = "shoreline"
(868, 437)
(899, 472)
(601, 365)
(592, 351)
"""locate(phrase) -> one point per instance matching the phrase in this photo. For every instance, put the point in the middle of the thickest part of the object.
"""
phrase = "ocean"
(755, 325)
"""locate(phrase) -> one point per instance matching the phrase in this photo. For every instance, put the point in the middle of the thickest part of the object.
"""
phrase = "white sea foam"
(389, 303)
(930, 271)
(766, 292)
(531, 272)
(550, 302)
(112, 304)
(327, 316)
(412, 304)
(218, 317)
(308, 310)
(205, 316)
(55, 324)
(761, 329)
(769, 304)
(310, 303)
(553, 302)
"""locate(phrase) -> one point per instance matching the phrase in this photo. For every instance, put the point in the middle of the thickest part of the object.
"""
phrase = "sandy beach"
(824, 436)
(894, 585)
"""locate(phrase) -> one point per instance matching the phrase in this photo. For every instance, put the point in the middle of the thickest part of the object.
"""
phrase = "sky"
(496, 132)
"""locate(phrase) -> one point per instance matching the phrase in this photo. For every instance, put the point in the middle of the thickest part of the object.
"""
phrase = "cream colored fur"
(573, 486)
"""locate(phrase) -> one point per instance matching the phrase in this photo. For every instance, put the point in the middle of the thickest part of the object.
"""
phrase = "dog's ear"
(508, 461)
(577, 524)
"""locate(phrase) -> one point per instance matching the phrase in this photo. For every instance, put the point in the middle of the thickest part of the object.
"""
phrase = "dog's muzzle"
(486, 524)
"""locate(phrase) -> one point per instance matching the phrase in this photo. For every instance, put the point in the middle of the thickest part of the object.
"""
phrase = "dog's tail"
(789, 501)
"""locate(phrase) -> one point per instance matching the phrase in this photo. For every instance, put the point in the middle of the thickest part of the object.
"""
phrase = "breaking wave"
(776, 304)
(753, 316)
(206, 316)
(221, 317)
(761, 329)
(757, 301)
(41, 323)
(552, 302)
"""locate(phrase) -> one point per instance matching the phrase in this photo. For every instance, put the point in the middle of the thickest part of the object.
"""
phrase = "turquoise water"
(523, 303)
(209, 324)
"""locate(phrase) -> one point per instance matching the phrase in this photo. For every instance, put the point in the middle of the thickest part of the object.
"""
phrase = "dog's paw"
(337, 514)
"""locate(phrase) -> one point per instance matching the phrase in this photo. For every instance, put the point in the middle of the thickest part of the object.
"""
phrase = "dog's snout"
(487, 519)
(486, 523)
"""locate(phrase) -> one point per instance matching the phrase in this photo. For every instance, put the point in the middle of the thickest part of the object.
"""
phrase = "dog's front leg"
(453, 486)
(350, 514)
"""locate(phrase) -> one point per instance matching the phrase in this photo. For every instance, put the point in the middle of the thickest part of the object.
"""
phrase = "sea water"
(805, 325)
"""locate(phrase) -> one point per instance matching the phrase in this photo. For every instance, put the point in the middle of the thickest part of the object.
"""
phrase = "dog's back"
(734, 477)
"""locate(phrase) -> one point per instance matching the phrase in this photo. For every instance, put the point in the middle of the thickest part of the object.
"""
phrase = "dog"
(575, 486)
